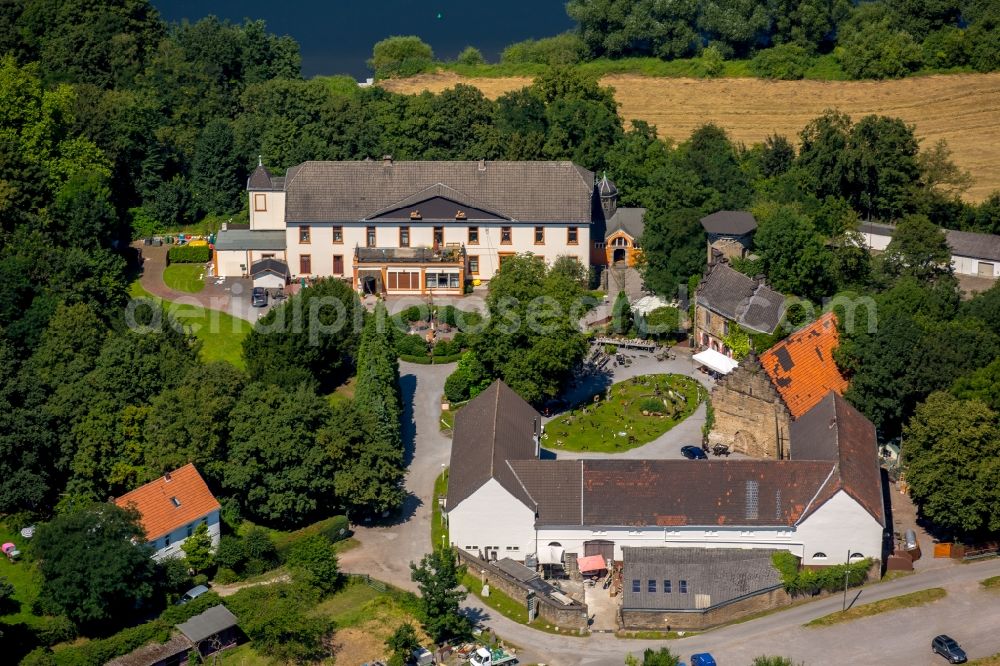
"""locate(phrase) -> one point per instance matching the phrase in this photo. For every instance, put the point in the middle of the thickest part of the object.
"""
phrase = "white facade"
(169, 545)
(237, 263)
(493, 518)
(963, 265)
(839, 525)
(267, 210)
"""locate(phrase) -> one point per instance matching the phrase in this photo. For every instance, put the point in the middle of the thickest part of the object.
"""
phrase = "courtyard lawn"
(185, 277)
(634, 412)
(439, 529)
(220, 333)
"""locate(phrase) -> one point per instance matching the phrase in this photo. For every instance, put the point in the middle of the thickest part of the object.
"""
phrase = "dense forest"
(776, 39)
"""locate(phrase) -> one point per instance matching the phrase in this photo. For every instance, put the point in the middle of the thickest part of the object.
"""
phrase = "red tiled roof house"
(171, 507)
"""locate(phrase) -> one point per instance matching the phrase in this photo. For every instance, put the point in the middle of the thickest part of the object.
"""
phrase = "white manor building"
(825, 505)
(413, 227)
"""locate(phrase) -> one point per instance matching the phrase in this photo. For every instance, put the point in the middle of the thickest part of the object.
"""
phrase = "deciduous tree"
(437, 576)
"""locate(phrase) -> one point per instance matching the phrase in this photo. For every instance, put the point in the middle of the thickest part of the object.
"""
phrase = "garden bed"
(631, 413)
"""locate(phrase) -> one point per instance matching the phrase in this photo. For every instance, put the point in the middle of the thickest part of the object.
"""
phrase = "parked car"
(702, 659)
(258, 297)
(192, 594)
(948, 647)
(693, 453)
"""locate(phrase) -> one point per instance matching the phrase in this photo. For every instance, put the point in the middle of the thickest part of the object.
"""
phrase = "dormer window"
(415, 215)
(176, 502)
(460, 215)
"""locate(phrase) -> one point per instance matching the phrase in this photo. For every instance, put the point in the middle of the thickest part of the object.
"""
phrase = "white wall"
(572, 539)
(273, 217)
(876, 241)
(493, 517)
(162, 551)
(970, 266)
(231, 263)
(321, 247)
(841, 524)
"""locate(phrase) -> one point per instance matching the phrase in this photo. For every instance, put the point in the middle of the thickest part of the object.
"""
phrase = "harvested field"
(964, 109)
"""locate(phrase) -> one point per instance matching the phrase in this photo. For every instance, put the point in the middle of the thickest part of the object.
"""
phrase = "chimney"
(166, 477)
(387, 160)
(482, 165)
(760, 279)
(534, 429)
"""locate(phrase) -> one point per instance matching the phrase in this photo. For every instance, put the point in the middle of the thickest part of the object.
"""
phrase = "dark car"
(948, 647)
(693, 453)
(258, 297)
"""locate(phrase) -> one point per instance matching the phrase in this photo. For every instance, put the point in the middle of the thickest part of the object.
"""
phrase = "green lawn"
(618, 424)
(185, 277)
(990, 583)
(439, 529)
(25, 579)
(910, 600)
(220, 333)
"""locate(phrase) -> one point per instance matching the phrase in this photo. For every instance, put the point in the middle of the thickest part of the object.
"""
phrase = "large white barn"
(824, 505)
(972, 254)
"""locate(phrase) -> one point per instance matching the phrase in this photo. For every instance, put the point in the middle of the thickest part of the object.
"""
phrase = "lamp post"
(847, 573)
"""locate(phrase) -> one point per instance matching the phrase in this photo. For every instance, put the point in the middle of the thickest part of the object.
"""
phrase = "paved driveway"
(387, 550)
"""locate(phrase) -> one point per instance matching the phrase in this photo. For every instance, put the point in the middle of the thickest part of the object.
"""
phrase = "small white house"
(825, 505)
(972, 254)
(171, 507)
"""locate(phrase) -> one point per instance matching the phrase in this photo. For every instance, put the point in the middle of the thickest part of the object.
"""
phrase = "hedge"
(159, 630)
(335, 528)
(813, 581)
(189, 254)
(430, 360)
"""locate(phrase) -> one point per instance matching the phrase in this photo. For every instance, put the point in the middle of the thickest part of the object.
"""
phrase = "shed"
(211, 631)
(270, 273)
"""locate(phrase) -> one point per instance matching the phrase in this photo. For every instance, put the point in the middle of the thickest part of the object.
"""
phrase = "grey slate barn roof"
(495, 427)
(629, 220)
(244, 239)
(520, 191)
(207, 624)
(729, 222)
(834, 430)
(742, 299)
(974, 246)
(713, 576)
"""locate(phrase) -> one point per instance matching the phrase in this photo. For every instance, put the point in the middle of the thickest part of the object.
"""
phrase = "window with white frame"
(442, 279)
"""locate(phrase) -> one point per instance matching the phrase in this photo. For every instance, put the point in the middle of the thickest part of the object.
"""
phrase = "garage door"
(605, 549)
(985, 269)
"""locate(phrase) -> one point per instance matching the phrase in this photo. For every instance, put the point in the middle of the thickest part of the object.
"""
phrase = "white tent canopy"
(647, 304)
(713, 360)
(550, 554)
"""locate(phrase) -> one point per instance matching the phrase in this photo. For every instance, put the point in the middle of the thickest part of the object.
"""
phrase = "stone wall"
(711, 324)
(573, 616)
(703, 619)
(750, 416)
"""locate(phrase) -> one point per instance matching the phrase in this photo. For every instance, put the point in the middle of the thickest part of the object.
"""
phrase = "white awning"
(713, 360)
(550, 554)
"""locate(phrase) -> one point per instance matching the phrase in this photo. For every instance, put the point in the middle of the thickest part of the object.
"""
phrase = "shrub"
(189, 254)
(470, 55)
(314, 562)
(225, 576)
(414, 313)
(786, 62)
(457, 385)
(813, 581)
(400, 56)
(446, 348)
(876, 51)
(276, 618)
(55, 629)
(652, 405)
(947, 47)
(564, 49)
(411, 345)
(661, 322)
(144, 224)
(712, 63)
(421, 360)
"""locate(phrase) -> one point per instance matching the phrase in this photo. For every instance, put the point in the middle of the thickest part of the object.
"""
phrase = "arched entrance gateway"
(619, 255)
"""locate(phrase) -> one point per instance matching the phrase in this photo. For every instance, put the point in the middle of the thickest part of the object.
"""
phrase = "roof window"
(176, 502)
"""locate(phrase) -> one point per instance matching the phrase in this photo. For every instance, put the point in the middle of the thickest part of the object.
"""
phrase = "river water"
(337, 36)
